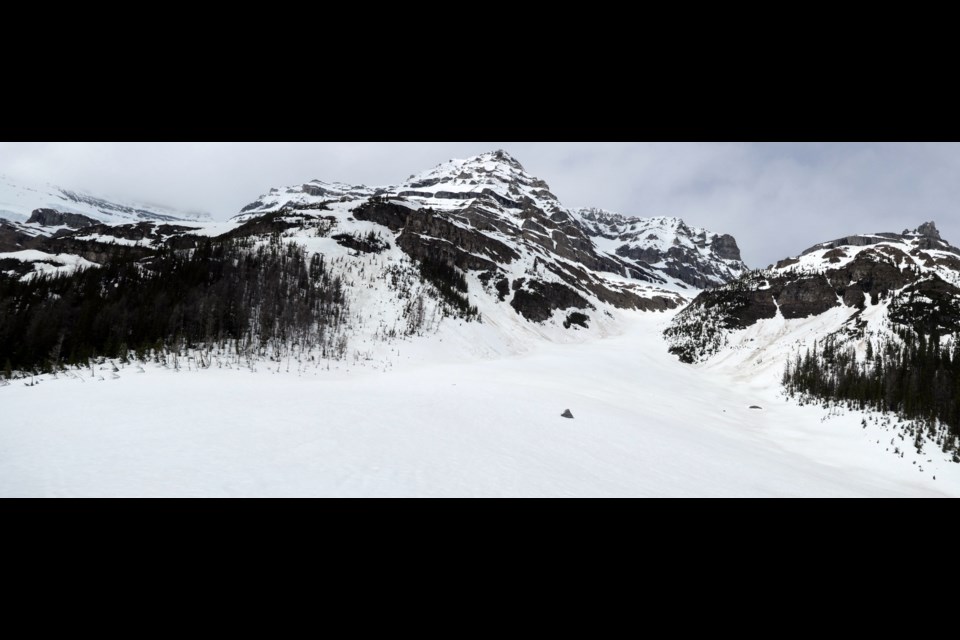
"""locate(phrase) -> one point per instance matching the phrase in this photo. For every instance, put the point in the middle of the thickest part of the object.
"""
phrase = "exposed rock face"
(929, 306)
(808, 297)
(725, 246)
(488, 214)
(921, 283)
(362, 244)
(538, 300)
(689, 254)
(484, 215)
(53, 218)
(926, 236)
(391, 215)
(870, 273)
(428, 235)
(13, 238)
(929, 230)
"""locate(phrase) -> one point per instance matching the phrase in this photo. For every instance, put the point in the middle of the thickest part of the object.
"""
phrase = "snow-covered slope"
(690, 254)
(490, 218)
(855, 278)
(484, 215)
(418, 422)
(77, 229)
(476, 309)
(881, 293)
(19, 199)
(29, 263)
(496, 188)
(452, 185)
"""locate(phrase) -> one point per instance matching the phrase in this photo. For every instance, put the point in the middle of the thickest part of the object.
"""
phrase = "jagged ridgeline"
(871, 321)
(456, 245)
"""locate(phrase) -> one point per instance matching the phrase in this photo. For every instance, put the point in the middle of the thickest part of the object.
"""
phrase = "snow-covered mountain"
(45, 205)
(484, 215)
(869, 280)
(422, 339)
(450, 186)
(868, 320)
(690, 254)
(483, 234)
(45, 228)
(488, 215)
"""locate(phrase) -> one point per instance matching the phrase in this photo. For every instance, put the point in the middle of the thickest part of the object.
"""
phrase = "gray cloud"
(776, 199)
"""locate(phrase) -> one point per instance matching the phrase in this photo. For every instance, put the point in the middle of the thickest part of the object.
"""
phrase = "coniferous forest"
(916, 377)
(229, 294)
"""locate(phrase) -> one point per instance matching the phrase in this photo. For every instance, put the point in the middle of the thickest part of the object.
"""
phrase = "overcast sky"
(775, 199)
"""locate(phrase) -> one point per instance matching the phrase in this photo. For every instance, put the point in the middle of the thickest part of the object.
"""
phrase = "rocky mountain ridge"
(910, 278)
(479, 238)
(492, 195)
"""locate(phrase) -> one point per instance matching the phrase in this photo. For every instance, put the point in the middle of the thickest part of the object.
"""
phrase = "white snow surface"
(461, 413)
(48, 263)
(941, 262)
(495, 172)
(19, 198)
(464, 409)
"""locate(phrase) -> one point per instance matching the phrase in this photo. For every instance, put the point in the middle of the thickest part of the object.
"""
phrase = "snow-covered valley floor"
(644, 425)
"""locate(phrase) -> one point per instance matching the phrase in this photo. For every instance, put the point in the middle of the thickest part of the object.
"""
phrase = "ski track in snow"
(460, 413)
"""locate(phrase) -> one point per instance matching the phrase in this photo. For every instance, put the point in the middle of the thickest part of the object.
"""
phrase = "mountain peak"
(489, 162)
(494, 174)
(928, 230)
(499, 156)
(492, 192)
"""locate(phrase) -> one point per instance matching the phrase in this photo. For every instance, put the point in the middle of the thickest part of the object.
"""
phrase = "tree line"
(228, 293)
(914, 375)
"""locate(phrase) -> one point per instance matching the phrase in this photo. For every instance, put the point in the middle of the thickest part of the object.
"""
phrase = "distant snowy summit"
(495, 176)
(495, 188)
(47, 205)
(691, 254)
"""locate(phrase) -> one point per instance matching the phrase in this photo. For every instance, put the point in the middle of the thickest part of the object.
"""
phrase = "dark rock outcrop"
(503, 288)
(576, 319)
(870, 273)
(848, 241)
(740, 307)
(253, 206)
(725, 246)
(694, 256)
(929, 230)
(54, 218)
(930, 306)
(806, 297)
(428, 236)
(276, 222)
(363, 244)
(538, 300)
(13, 239)
(929, 238)
(389, 214)
(679, 263)
(888, 267)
